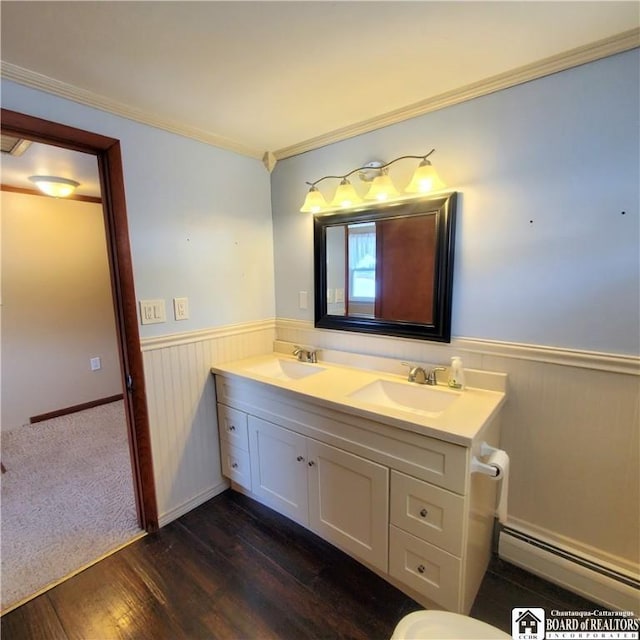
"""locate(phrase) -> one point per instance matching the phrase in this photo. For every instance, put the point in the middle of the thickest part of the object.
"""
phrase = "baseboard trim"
(192, 503)
(75, 408)
(570, 571)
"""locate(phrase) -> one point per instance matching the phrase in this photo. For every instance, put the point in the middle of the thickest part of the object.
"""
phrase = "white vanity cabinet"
(399, 500)
(340, 496)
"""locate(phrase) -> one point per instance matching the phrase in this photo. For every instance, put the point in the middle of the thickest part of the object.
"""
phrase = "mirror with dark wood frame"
(387, 268)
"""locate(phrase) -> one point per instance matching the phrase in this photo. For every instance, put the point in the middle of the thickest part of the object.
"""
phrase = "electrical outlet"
(181, 308)
(302, 299)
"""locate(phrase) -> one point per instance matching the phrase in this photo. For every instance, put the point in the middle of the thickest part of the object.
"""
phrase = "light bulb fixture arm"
(369, 167)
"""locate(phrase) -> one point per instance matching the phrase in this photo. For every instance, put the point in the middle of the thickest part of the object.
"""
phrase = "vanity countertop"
(343, 388)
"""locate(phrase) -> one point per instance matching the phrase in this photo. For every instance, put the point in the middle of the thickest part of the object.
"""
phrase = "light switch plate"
(152, 311)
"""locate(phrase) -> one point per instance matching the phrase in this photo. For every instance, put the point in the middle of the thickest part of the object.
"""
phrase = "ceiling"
(45, 160)
(281, 76)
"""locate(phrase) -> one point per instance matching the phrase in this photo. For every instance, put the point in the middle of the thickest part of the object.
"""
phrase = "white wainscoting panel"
(570, 426)
(182, 409)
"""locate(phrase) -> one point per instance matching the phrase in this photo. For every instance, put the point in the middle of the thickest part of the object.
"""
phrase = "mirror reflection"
(387, 269)
(382, 269)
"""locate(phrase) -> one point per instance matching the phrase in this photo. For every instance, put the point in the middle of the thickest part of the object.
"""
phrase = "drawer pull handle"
(232, 427)
(300, 459)
(311, 463)
(424, 513)
(421, 569)
(234, 465)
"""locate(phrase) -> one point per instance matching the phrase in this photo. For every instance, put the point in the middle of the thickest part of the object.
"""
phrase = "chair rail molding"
(390, 347)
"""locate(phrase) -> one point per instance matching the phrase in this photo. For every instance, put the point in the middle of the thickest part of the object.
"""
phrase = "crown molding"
(574, 57)
(35, 80)
(618, 43)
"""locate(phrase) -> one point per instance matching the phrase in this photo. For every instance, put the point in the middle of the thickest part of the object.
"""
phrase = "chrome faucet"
(432, 378)
(305, 355)
(420, 375)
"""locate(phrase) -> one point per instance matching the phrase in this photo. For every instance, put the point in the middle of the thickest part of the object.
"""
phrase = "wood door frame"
(107, 151)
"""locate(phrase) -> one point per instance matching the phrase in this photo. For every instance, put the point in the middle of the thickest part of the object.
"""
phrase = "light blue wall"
(543, 253)
(199, 217)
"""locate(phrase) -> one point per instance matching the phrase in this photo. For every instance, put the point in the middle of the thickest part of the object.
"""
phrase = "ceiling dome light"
(425, 179)
(314, 202)
(346, 195)
(54, 186)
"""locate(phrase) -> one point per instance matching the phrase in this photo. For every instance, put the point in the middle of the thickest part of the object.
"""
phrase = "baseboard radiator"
(596, 582)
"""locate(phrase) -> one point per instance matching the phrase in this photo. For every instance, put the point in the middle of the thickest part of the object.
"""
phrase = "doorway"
(107, 152)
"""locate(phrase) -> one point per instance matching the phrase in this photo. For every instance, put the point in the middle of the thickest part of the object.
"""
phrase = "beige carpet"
(67, 498)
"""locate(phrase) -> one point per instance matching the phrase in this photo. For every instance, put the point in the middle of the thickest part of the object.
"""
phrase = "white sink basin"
(421, 399)
(285, 369)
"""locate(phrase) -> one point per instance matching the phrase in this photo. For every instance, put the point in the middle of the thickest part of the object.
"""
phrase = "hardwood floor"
(233, 569)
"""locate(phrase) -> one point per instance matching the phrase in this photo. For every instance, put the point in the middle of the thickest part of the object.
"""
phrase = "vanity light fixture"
(382, 187)
(54, 186)
(425, 179)
(346, 195)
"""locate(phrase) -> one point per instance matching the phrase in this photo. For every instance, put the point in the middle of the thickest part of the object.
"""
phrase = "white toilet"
(443, 625)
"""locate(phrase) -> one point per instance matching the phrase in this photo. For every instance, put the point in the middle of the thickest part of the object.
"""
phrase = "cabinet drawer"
(425, 568)
(233, 427)
(428, 512)
(236, 465)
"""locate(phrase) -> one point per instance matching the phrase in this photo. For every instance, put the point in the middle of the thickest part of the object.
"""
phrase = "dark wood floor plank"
(562, 598)
(290, 607)
(209, 587)
(35, 620)
(345, 585)
(111, 601)
(233, 569)
(263, 529)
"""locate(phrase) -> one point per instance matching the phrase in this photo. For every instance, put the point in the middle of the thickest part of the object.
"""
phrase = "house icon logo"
(527, 624)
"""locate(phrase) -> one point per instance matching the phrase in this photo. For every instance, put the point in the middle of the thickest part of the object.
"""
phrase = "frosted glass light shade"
(54, 186)
(425, 179)
(346, 195)
(314, 202)
(382, 188)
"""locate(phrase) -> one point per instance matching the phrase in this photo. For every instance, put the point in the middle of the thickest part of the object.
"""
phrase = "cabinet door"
(279, 468)
(349, 502)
